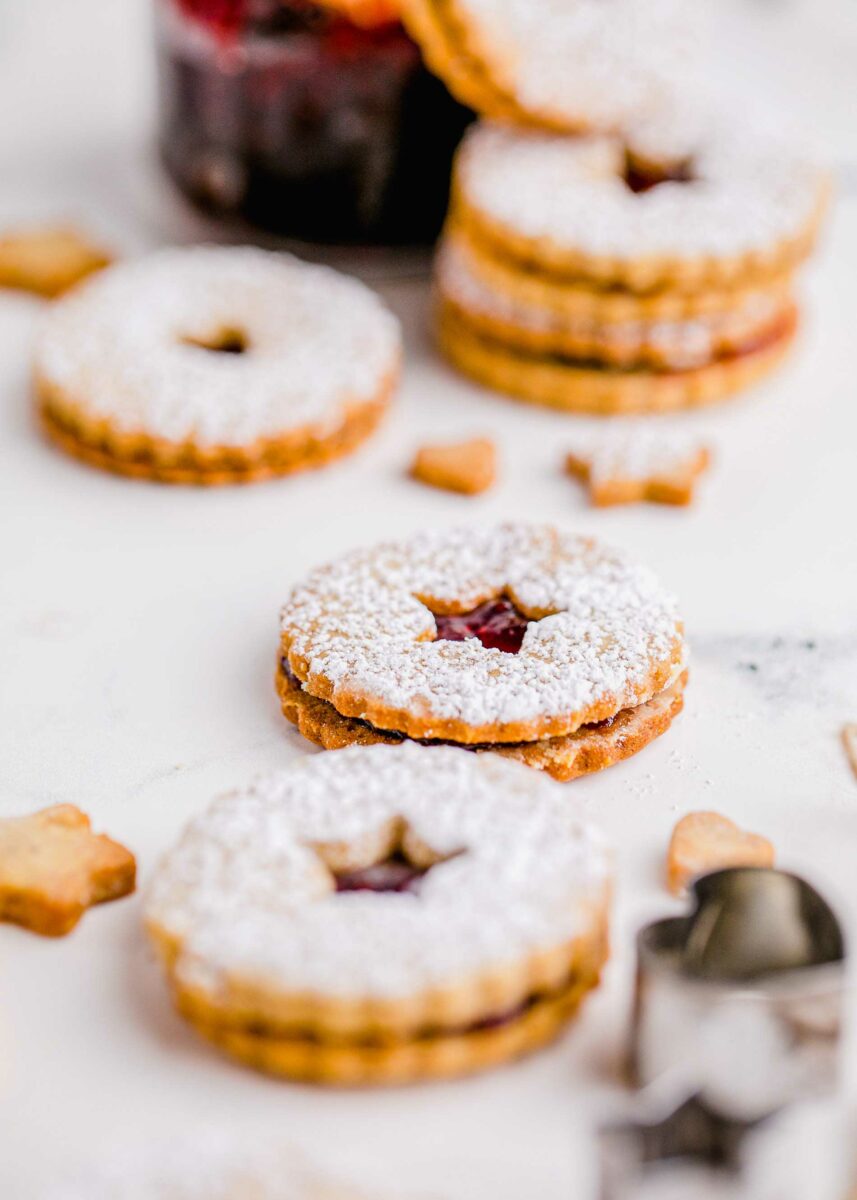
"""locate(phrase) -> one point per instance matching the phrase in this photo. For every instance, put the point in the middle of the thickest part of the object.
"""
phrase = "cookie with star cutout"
(53, 868)
(516, 638)
(395, 913)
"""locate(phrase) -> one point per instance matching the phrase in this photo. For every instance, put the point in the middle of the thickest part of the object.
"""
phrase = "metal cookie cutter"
(672, 1148)
(741, 1002)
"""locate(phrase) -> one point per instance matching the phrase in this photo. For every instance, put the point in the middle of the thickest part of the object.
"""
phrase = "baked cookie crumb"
(466, 467)
(639, 466)
(849, 741)
(53, 867)
(706, 841)
(48, 260)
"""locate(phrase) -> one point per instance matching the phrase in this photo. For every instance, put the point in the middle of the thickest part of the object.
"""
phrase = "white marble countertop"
(138, 627)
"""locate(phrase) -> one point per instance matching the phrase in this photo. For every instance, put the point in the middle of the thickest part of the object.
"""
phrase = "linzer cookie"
(542, 326)
(574, 299)
(572, 65)
(516, 639)
(590, 748)
(624, 275)
(572, 385)
(215, 365)
(383, 915)
(691, 205)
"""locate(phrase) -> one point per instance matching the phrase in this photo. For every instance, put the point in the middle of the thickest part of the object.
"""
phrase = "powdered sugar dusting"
(357, 623)
(682, 344)
(748, 194)
(241, 889)
(591, 62)
(317, 341)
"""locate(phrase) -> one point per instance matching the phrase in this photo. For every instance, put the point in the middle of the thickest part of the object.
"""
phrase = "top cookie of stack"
(567, 65)
(620, 249)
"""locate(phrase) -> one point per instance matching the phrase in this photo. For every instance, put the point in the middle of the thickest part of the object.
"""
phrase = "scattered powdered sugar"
(692, 342)
(635, 452)
(748, 193)
(317, 341)
(357, 623)
(242, 887)
(591, 62)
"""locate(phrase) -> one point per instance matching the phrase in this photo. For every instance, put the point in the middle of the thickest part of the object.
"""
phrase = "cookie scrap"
(53, 867)
(48, 260)
(706, 841)
(466, 467)
(849, 741)
(639, 466)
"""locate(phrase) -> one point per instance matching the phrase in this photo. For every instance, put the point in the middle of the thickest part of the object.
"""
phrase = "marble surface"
(137, 635)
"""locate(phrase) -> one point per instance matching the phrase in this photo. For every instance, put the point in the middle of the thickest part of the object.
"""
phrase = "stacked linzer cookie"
(612, 245)
(515, 640)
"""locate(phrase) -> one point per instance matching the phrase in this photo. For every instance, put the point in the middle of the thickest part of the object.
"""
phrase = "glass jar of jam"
(311, 118)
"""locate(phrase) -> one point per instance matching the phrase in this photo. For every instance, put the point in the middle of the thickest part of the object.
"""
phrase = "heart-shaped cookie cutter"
(741, 1001)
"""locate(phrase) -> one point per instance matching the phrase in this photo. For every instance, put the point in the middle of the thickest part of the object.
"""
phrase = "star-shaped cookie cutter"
(671, 1146)
(742, 999)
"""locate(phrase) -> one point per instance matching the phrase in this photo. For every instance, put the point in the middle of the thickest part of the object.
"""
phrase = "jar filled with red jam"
(315, 119)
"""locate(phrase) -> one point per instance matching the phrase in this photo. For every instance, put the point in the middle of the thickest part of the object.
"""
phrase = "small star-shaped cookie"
(468, 467)
(47, 260)
(639, 466)
(53, 867)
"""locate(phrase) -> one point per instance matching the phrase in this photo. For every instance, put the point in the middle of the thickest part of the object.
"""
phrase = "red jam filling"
(394, 874)
(498, 625)
(642, 177)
